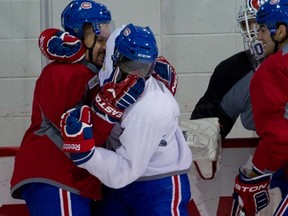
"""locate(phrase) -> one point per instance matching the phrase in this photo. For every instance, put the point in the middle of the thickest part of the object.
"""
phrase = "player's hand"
(114, 98)
(250, 194)
(166, 73)
(59, 46)
(77, 133)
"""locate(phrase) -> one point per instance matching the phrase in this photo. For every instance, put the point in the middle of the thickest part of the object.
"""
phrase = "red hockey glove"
(166, 73)
(114, 98)
(59, 46)
(76, 130)
(77, 133)
(250, 194)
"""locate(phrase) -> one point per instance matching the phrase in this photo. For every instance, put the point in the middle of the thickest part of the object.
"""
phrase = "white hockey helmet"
(246, 23)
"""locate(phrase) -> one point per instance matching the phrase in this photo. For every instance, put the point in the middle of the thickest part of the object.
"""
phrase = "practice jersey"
(269, 97)
(227, 95)
(146, 144)
(59, 88)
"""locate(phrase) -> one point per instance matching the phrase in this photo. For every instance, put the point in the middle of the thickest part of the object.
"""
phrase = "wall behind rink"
(194, 35)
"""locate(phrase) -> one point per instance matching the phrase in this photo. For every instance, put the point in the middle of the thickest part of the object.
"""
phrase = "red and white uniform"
(269, 97)
(59, 88)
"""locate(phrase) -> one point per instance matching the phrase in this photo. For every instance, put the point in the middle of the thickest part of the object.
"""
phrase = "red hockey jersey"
(269, 98)
(59, 88)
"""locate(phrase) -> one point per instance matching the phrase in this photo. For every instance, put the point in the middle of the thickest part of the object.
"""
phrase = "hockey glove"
(114, 98)
(250, 194)
(59, 46)
(166, 73)
(204, 139)
(77, 134)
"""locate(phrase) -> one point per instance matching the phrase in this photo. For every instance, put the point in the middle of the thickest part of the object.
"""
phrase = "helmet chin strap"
(90, 49)
(276, 46)
(277, 42)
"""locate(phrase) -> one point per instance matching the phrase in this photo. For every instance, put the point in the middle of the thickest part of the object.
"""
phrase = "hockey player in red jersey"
(43, 175)
(59, 88)
(269, 100)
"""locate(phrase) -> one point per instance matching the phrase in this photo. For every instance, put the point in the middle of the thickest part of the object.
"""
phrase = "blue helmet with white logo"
(135, 49)
(137, 43)
(273, 13)
(79, 12)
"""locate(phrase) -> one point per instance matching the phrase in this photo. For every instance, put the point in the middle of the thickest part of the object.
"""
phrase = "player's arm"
(60, 46)
(209, 105)
(223, 79)
(60, 89)
(110, 104)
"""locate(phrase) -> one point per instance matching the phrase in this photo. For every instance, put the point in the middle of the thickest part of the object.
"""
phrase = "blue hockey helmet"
(273, 13)
(135, 49)
(79, 12)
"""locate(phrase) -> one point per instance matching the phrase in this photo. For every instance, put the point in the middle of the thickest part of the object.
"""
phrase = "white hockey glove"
(204, 139)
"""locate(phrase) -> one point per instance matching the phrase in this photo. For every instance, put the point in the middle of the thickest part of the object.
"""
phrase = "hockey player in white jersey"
(145, 168)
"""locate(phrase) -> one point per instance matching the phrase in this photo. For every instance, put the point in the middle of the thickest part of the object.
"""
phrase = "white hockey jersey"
(147, 143)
